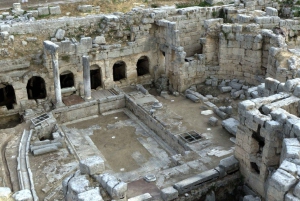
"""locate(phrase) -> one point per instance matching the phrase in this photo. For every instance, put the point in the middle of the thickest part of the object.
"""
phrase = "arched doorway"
(119, 70)
(95, 74)
(66, 79)
(142, 66)
(36, 88)
(7, 96)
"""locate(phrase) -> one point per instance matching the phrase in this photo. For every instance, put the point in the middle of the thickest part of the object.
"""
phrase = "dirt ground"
(71, 5)
(116, 141)
(49, 170)
(194, 120)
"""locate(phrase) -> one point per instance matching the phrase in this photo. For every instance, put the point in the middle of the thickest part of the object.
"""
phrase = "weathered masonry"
(80, 70)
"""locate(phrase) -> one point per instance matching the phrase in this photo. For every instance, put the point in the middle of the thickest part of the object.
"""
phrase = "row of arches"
(119, 68)
(36, 86)
(119, 73)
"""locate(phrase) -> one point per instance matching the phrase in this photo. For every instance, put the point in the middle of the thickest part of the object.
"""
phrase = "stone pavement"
(83, 145)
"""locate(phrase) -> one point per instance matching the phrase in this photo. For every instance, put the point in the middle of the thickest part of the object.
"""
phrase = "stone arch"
(28, 75)
(142, 66)
(36, 88)
(7, 95)
(66, 79)
(96, 77)
(119, 70)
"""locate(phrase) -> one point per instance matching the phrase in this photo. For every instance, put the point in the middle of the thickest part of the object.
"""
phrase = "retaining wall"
(94, 107)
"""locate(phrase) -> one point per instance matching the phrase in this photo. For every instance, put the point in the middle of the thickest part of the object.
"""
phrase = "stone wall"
(187, 45)
(190, 23)
(283, 64)
(171, 139)
(264, 123)
(90, 108)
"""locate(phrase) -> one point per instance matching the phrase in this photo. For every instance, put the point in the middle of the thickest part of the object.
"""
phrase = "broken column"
(52, 48)
(86, 77)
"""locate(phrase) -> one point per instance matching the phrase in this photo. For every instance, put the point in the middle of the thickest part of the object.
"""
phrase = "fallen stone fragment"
(210, 104)
(213, 121)
(60, 34)
(221, 114)
(230, 125)
(89, 195)
(45, 150)
(143, 197)
(207, 112)
(169, 193)
(225, 89)
(92, 165)
(193, 98)
(229, 164)
(5, 192)
(22, 195)
(150, 178)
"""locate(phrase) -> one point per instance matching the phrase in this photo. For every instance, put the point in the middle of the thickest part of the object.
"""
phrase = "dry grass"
(105, 7)
(114, 6)
(71, 9)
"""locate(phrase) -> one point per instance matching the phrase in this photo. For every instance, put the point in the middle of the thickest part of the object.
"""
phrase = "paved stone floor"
(72, 100)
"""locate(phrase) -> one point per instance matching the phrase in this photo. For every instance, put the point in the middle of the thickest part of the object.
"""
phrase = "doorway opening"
(36, 88)
(142, 66)
(7, 96)
(119, 70)
(66, 79)
(95, 75)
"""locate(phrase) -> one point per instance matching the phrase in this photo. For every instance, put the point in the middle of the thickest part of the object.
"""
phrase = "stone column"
(52, 49)
(54, 58)
(86, 77)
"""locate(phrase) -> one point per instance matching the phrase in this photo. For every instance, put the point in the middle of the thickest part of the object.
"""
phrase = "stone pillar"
(54, 58)
(52, 49)
(86, 77)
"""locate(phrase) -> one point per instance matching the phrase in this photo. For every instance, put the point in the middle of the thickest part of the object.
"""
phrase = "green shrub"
(296, 11)
(204, 4)
(184, 5)
(65, 58)
(154, 5)
(190, 4)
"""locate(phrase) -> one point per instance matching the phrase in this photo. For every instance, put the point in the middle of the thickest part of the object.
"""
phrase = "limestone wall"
(94, 107)
(187, 45)
(264, 123)
(190, 23)
(283, 64)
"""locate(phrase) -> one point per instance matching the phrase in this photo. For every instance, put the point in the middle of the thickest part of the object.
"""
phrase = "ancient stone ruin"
(194, 102)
